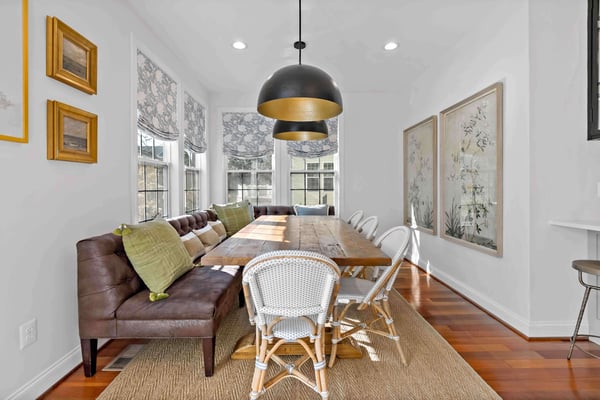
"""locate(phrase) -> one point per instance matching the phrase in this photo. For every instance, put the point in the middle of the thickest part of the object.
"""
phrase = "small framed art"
(72, 133)
(70, 57)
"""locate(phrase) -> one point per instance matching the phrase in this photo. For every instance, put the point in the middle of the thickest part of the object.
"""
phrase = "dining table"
(327, 235)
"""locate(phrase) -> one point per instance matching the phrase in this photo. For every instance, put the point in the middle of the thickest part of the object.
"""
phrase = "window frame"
(144, 161)
(593, 78)
(256, 171)
(323, 176)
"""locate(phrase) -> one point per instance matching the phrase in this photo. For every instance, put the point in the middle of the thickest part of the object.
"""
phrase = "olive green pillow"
(157, 254)
(233, 217)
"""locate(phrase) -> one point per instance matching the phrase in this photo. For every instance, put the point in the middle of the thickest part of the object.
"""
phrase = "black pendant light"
(300, 92)
(300, 130)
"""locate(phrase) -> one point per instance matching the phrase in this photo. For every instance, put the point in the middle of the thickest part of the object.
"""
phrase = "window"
(312, 180)
(250, 179)
(152, 178)
(593, 75)
(191, 189)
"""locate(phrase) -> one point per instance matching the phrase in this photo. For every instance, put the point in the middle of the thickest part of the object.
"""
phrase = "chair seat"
(354, 289)
(587, 266)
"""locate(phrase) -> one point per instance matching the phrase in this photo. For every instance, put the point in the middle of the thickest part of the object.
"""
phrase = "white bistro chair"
(368, 227)
(366, 294)
(355, 218)
(289, 296)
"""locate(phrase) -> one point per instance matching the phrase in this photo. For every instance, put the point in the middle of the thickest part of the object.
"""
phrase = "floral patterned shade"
(247, 134)
(316, 148)
(156, 100)
(194, 124)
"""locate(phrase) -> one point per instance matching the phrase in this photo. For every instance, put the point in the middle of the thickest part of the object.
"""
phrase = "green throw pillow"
(233, 217)
(157, 254)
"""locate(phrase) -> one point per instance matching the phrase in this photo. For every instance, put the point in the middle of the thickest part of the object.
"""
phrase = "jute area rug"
(173, 368)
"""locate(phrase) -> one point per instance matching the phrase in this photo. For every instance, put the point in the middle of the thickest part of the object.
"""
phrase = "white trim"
(531, 329)
(54, 373)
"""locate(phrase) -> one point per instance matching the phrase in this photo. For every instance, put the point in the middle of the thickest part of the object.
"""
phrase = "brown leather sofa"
(113, 300)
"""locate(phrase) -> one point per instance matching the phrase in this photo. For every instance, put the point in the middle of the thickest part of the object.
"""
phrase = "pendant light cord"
(300, 31)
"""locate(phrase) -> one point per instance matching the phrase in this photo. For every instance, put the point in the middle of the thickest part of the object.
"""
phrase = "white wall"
(565, 167)
(537, 48)
(370, 141)
(500, 53)
(49, 205)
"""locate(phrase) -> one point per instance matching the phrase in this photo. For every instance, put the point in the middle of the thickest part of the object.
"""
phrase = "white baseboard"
(530, 329)
(54, 373)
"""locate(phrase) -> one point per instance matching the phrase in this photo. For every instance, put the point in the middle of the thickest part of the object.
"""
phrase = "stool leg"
(581, 310)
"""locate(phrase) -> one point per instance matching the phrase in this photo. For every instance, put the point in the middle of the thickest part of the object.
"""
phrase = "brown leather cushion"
(196, 295)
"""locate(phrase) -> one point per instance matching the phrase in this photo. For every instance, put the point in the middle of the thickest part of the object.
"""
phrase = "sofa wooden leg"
(241, 298)
(208, 350)
(89, 353)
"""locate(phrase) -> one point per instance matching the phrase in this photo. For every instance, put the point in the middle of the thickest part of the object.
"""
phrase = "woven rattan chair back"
(289, 297)
(365, 293)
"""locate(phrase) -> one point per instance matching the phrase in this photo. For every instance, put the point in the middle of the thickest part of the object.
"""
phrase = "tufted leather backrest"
(106, 278)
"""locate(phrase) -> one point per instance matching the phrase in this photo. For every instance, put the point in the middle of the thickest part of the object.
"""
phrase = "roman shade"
(247, 134)
(156, 100)
(316, 148)
(194, 124)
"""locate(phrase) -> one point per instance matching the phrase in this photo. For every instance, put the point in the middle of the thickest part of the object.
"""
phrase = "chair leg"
(89, 354)
(586, 295)
(335, 335)
(208, 351)
(321, 366)
(392, 329)
(260, 369)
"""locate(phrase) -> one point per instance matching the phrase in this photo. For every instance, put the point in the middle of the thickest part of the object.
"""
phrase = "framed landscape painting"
(70, 57)
(471, 171)
(420, 176)
(13, 80)
(72, 133)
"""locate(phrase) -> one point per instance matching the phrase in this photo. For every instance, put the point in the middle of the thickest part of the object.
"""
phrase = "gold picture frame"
(70, 57)
(14, 118)
(471, 171)
(420, 176)
(72, 133)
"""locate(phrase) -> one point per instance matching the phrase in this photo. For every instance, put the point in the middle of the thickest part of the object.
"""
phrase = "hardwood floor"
(513, 366)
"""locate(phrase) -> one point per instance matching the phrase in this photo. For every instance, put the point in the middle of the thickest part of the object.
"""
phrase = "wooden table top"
(327, 235)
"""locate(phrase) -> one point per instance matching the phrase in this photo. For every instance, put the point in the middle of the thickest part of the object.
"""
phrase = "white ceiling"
(344, 37)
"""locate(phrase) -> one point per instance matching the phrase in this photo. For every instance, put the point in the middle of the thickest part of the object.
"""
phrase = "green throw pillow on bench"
(234, 215)
(157, 254)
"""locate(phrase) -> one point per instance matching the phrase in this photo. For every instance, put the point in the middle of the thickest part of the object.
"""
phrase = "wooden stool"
(591, 267)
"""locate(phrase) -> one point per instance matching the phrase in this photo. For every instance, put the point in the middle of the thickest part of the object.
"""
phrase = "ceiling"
(344, 37)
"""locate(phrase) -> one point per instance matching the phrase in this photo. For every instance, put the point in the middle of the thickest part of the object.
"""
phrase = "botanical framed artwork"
(420, 175)
(13, 80)
(70, 57)
(471, 171)
(72, 133)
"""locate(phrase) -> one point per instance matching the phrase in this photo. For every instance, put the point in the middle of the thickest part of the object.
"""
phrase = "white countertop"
(578, 224)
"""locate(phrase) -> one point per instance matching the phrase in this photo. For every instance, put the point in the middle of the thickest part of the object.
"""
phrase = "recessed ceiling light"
(390, 45)
(239, 45)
